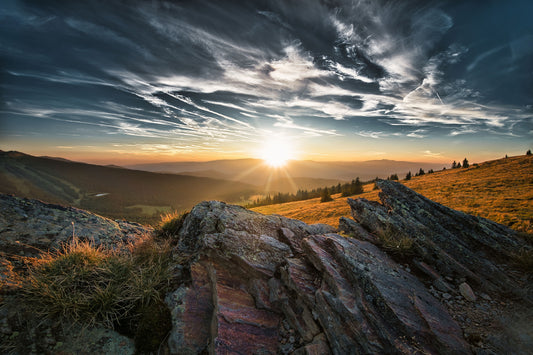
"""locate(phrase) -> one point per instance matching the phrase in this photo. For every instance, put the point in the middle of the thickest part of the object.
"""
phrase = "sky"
(147, 81)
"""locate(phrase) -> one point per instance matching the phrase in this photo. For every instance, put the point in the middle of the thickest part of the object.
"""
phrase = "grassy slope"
(500, 190)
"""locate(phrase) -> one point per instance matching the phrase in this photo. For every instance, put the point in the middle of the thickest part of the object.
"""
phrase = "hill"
(500, 190)
(110, 191)
(297, 174)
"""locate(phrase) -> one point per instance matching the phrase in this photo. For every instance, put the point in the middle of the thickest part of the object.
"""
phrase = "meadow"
(500, 190)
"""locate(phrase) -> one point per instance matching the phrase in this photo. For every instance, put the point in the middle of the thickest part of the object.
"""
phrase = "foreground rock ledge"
(258, 284)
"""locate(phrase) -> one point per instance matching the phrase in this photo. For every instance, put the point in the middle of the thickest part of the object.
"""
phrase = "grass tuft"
(91, 285)
(395, 243)
(171, 223)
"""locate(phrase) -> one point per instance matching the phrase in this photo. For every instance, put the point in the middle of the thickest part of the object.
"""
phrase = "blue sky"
(117, 81)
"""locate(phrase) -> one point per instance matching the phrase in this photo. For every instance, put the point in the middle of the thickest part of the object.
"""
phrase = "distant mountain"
(110, 191)
(256, 172)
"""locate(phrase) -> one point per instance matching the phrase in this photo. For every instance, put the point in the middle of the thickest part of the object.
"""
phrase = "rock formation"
(28, 226)
(406, 276)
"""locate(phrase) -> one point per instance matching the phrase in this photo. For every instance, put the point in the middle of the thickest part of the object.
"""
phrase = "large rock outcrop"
(445, 242)
(268, 284)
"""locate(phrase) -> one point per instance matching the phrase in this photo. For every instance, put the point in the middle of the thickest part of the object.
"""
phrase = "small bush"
(96, 286)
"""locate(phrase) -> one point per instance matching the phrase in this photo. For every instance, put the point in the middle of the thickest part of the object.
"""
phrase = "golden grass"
(313, 211)
(500, 190)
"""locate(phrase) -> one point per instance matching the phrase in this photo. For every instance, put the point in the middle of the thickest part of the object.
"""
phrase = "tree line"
(347, 189)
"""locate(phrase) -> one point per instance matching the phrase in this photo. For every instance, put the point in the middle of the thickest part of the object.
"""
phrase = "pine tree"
(421, 172)
(325, 197)
(357, 187)
(458, 165)
(528, 152)
(454, 165)
(408, 176)
(465, 163)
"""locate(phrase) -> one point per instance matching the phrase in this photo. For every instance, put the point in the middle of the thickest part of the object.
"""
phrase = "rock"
(254, 275)
(451, 242)
(29, 226)
(467, 292)
(486, 297)
(94, 341)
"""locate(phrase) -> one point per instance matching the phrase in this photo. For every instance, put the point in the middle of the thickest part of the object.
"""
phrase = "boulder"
(28, 227)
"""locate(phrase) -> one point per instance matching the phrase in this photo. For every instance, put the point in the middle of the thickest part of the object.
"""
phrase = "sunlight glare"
(276, 152)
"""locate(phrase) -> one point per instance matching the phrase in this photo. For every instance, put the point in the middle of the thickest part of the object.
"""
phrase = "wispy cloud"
(221, 73)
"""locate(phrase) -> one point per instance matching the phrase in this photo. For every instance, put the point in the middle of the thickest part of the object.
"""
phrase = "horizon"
(130, 164)
(195, 82)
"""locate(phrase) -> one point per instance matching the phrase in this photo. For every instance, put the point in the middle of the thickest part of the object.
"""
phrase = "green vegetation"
(326, 197)
(96, 286)
(113, 192)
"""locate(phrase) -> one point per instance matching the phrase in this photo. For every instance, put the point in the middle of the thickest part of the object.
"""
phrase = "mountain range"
(143, 192)
(306, 174)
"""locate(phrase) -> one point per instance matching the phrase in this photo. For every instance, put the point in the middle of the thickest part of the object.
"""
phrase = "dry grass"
(500, 190)
(171, 223)
(96, 286)
(312, 211)
(395, 243)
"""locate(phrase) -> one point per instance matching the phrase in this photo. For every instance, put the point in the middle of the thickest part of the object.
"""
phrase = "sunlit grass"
(94, 285)
(171, 223)
(90, 285)
(499, 190)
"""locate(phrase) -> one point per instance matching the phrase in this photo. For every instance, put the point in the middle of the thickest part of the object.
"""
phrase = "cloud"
(222, 72)
(430, 154)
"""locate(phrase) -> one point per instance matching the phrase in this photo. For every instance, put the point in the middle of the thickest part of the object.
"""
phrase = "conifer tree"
(357, 187)
(465, 163)
(408, 176)
(325, 197)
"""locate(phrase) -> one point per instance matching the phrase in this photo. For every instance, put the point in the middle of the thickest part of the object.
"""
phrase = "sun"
(276, 152)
